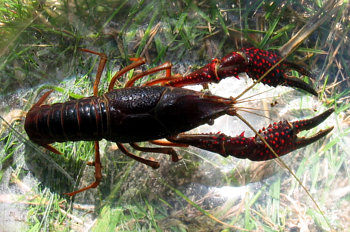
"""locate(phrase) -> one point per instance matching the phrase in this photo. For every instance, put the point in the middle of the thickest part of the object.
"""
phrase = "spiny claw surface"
(281, 136)
(255, 62)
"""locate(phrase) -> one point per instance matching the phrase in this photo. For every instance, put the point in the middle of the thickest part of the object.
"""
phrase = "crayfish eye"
(210, 122)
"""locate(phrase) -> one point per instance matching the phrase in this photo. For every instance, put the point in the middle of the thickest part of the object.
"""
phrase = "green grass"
(38, 48)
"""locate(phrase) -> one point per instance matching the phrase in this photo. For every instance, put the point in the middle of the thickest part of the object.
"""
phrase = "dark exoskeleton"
(125, 115)
(146, 113)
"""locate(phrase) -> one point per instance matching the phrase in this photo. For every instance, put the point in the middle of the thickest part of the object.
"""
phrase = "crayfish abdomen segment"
(83, 119)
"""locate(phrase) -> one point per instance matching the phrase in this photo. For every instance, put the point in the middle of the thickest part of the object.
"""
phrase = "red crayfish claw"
(257, 62)
(253, 61)
(282, 137)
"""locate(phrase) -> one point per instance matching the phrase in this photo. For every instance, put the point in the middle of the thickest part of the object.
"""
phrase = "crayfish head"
(232, 110)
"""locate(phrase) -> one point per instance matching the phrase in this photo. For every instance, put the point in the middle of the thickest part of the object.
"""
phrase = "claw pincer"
(282, 137)
(255, 62)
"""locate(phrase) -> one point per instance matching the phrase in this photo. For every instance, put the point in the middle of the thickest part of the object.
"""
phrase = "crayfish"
(151, 112)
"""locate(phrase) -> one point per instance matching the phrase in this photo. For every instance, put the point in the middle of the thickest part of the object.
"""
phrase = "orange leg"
(164, 150)
(151, 163)
(52, 149)
(43, 98)
(162, 80)
(137, 62)
(101, 66)
(98, 173)
(166, 66)
(167, 143)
